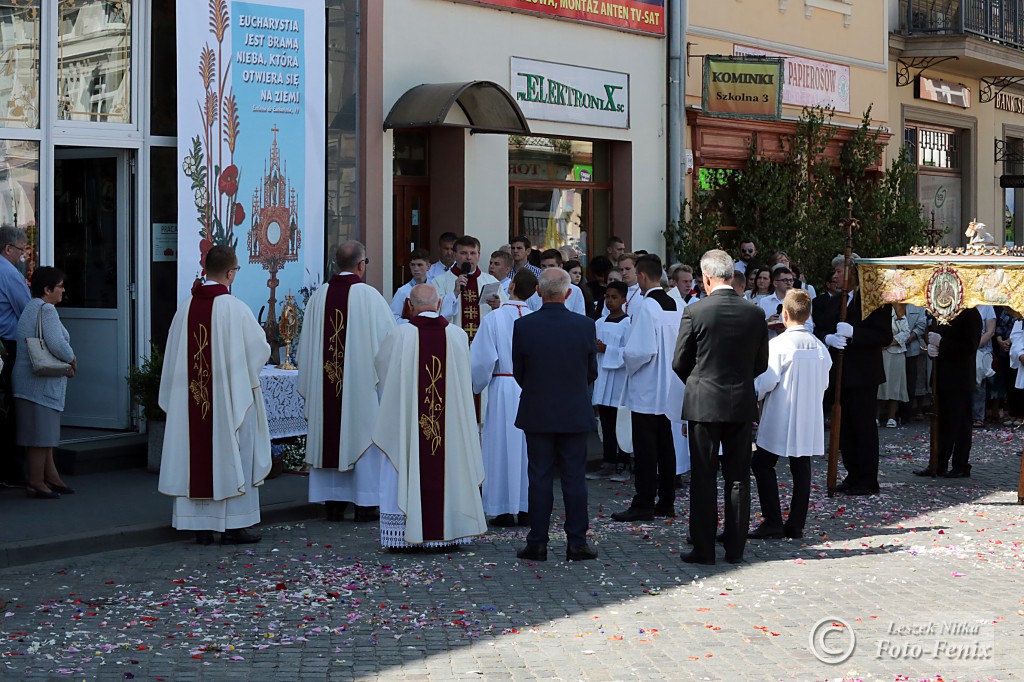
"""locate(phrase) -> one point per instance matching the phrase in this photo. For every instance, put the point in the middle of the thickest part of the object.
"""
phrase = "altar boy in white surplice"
(345, 323)
(427, 429)
(792, 423)
(506, 486)
(217, 443)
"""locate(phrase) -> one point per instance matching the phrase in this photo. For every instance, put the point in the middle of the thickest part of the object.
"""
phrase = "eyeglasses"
(366, 261)
(237, 267)
(747, 250)
(19, 248)
(786, 280)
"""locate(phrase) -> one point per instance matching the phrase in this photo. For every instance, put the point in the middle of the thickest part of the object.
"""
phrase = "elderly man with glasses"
(14, 296)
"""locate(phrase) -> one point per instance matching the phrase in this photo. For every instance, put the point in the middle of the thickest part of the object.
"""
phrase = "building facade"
(550, 123)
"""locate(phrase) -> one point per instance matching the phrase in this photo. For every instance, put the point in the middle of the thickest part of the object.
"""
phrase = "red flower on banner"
(204, 246)
(239, 214)
(228, 182)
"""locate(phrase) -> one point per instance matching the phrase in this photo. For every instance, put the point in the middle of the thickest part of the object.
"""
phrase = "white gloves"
(836, 341)
(845, 329)
(934, 339)
(933, 350)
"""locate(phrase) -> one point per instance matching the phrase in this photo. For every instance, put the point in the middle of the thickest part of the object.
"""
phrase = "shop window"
(342, 122)
(411, 159)
(1013, 197)
(935, 148)
(163, 112)
(19, 64)
(163, 211)
(94, 60)
(19, 194)
(560, 192)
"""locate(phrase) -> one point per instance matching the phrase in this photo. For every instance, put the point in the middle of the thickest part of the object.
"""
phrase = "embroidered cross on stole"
(200, 390)
(335, 328)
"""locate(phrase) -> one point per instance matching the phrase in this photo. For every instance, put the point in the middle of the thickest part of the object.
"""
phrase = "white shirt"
(770, 305)
(437, 269)
(574, 303)
(398, 302)
(987, 313)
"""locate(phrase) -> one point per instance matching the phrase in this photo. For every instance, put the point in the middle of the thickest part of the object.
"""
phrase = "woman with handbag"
(44, 361)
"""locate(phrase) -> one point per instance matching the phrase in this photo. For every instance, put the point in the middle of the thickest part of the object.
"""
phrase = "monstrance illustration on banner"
(946, 281)
(274, 238)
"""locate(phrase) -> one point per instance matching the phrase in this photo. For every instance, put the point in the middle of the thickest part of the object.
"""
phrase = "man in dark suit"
(554, 359)
(722, 346)
(820, 313)
(954, 349)
(862, 341)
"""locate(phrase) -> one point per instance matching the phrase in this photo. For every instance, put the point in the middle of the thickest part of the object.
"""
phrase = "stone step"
(101, 455)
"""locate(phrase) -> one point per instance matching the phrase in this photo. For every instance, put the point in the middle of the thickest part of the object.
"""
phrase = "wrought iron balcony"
(997, 21)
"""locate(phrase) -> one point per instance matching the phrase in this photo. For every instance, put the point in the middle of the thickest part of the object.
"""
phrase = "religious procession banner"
(251, 151)
(944, 281)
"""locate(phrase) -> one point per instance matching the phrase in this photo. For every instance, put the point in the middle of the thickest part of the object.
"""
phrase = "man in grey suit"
(554, 359)
(722, 346)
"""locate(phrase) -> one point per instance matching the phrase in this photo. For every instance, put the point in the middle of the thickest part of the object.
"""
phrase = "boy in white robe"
(792, 423)
(612, 330)
(506, 486)
(217, 442)
(419, 263)
(426, 428)
(338, 381)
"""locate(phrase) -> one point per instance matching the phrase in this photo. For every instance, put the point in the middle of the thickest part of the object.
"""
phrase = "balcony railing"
(998, 21)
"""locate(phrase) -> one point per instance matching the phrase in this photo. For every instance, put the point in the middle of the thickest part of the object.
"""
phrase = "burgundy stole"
(431, 397)
(335, 326)
(200, 390)
(470, 317)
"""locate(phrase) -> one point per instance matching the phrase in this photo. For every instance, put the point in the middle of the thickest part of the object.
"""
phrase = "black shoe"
(42, 494)
(679, 482)
(844, 485)
(365, 514)
(503, 521)
(733, 559)
(524, 519)
(582, 552)
(238, 536)
(633, 514)
(861, 490)
(692, 558)
(766, 532)
(957, 473)
(793, 534)
(62, 489)
(665, 512)
(927, 472)
(533, 552)
(335, 510)
(204, 537)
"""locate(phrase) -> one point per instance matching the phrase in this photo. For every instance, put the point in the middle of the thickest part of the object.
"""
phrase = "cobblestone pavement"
(318, 601)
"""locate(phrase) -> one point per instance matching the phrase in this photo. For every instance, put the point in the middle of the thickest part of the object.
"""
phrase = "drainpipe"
(676, 20)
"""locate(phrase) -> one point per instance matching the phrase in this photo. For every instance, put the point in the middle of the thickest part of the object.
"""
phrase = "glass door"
(92, 201)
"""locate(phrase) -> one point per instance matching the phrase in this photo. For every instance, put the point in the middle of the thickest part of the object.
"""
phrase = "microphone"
(465, 267)
(778, 311)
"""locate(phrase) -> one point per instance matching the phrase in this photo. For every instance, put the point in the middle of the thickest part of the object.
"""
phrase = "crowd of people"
(449, 408)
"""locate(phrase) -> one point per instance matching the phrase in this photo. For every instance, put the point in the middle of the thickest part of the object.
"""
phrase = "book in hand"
(489, 290)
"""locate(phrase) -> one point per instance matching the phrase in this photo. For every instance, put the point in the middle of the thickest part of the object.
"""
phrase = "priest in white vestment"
(468, 293)
(654, 396)
(792, 422)
(427, 430)
(217, 442)
(506, 486)
(345, 323)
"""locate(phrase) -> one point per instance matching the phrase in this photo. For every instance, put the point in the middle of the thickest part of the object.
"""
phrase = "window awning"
(486, 107)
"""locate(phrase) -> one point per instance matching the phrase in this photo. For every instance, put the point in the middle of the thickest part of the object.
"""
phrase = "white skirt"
(361, 486)
(895, 386)
(392, 518)
(506, 485)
